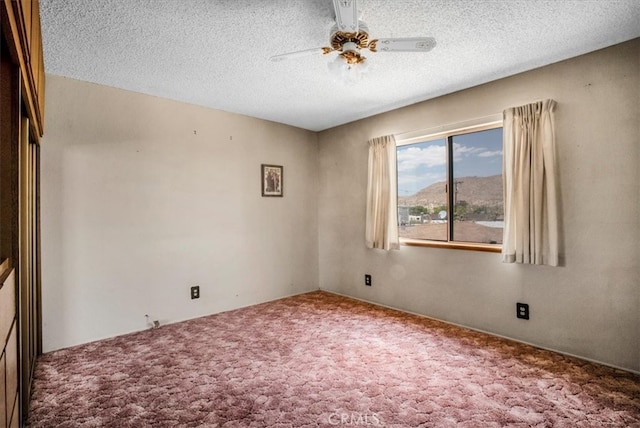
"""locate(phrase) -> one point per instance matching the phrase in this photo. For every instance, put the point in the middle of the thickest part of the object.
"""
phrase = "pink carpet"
(320, 360)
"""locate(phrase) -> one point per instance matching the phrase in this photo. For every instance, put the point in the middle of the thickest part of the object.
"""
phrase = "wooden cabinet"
(21, 126)
(21, 25)
(3, 391)
(9, 344)
(11, 382)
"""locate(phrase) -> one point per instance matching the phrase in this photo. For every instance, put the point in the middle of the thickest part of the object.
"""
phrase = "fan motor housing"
(339, 38)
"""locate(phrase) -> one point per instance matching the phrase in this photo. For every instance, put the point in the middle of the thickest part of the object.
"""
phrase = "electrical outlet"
(195, 292)
(152, 324)
(367, 280)
(522, 311)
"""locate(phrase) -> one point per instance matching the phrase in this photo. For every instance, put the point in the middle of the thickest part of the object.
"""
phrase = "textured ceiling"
(215, 53)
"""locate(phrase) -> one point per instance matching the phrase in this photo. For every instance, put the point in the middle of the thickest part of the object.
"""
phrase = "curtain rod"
(452, 126)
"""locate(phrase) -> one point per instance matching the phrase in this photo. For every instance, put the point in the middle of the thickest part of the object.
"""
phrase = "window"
(450, 186)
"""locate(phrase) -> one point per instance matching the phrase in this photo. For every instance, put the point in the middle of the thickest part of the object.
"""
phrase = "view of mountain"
(479, 191)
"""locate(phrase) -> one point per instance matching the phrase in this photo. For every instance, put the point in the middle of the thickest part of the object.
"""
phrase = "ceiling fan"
(350, 35)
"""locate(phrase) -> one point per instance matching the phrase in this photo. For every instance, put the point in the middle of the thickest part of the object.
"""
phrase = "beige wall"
(590, 306)
(136, 208)
(143, 197)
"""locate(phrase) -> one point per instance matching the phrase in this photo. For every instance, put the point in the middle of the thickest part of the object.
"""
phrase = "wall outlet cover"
(522, 311)
(195, 292)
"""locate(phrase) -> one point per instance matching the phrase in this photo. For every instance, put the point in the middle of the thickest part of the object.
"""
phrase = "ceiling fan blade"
(299, 54)
(409, 44)
(346, 15)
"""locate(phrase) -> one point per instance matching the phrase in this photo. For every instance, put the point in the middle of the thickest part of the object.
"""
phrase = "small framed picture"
(272, 180)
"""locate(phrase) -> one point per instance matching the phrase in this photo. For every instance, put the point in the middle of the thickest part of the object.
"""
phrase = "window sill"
(490, 248)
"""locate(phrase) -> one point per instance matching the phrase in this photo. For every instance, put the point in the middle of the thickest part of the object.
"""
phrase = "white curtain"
(382, 212)
(531, 232)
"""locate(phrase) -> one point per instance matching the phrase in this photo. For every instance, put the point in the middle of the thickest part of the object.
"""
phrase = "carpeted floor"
(319, 360)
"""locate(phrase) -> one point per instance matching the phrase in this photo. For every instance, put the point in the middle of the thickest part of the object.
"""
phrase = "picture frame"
(272, 180)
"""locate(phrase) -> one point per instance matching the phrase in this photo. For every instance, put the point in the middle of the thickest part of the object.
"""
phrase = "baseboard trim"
(164, 322)
(568, 354)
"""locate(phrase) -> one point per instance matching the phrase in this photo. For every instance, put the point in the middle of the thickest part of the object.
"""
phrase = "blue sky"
(477, 154)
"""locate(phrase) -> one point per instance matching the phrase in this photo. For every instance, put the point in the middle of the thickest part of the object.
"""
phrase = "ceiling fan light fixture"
(345, 72)
(338, 38)
(353, 58)
(349, 36)
(351, 54)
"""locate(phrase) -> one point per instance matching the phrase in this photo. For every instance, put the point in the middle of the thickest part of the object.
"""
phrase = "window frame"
(446, 132)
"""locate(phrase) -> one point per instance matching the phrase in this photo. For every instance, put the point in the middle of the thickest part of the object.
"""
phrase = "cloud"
(406, 182)
(412, 158)
(423, 164)
(488, 154)
(459, 151)
(409, 184)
